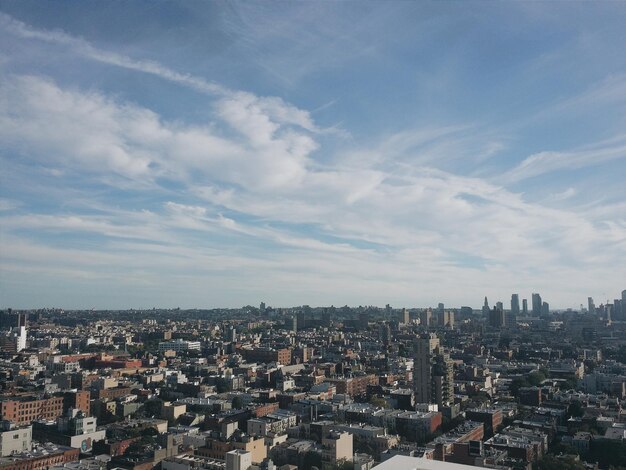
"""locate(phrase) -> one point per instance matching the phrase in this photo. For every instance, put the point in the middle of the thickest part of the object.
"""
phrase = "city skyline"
(219, 154)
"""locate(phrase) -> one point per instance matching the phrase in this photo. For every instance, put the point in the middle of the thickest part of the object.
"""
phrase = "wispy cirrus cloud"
(256, 194)
(550, 161)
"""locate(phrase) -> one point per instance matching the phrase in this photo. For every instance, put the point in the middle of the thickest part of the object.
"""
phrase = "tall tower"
(515, 304)
(486, 308)
(525, 307)
(405, 316)
(537, 303)
(590, 305)
(433, 379)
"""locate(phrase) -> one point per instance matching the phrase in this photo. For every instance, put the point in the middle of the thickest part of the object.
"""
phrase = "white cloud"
(254, 208)
(563, 195)
(550, 161)
(85, 49)
(8, 204)
(88, 130)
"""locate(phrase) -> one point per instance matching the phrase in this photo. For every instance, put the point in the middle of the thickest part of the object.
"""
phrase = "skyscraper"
(536, 299)
(590, 305)
(445, 318)
(405, 317)
(545, 308)
(515, 304)
(525, 307)
(496, 318)
(433, 379)
(364, 320)
(486, 308)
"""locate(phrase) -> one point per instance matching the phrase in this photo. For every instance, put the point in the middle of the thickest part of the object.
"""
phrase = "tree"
(560, 448)
(237, 403)
(312, 459)
(569, 462)
(516, 384)
(343, 464)
(607, 453)
(378, 401)
(153, 407)
(149, 432)
(536, 377)
(575, 410)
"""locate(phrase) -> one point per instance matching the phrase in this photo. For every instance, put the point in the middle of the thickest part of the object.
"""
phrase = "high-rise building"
(231, 334)
(301, 319)
(545, 308)
(500, 305)
(525, 307)
(617, 309)
(590, 305)
(13, 340)
(440, 307)
(292, 324)
(433, 379)
(10, 319)
(466, 312)
(608, 313)
(426, 317)
(363, 320)
(515, 304)
(536, 302)
(405, 318)
(497, 318)
(486, 308)
(445, 319)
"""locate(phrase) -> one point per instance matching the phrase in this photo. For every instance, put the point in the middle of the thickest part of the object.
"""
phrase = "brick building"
(25, 410)
(354, 386)
(266, 355)
(40, 458)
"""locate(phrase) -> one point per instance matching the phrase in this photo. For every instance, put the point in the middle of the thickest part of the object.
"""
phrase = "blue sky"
(205, 154)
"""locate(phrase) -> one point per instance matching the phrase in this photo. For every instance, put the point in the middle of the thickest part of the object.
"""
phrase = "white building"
(238, 460)
(179, 345)
(15, 440)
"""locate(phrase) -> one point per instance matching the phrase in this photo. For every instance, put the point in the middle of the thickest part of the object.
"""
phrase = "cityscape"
(312, 235)
(502, 387)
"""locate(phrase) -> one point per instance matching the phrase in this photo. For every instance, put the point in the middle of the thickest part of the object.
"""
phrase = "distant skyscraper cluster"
(609, 311)
(499, 317)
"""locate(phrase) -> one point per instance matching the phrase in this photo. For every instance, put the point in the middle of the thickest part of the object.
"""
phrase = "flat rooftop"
(401, 462)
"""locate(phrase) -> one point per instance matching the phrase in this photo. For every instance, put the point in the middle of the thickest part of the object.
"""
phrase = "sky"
(220, 154)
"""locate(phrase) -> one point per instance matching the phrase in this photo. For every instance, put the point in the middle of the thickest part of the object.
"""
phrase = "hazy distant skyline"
(213, 154)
